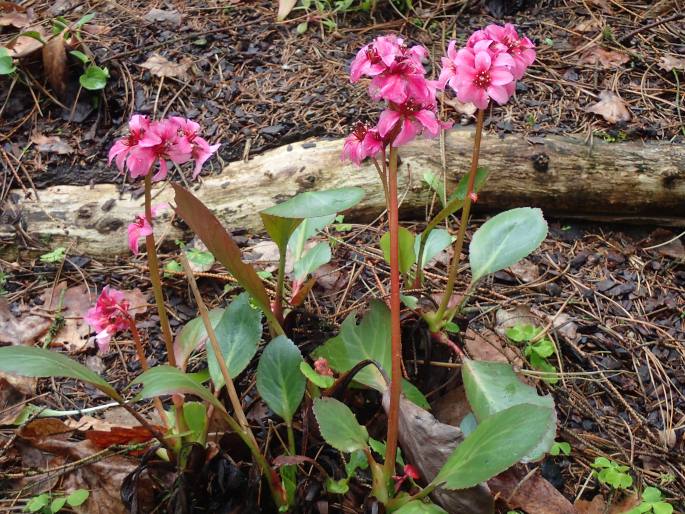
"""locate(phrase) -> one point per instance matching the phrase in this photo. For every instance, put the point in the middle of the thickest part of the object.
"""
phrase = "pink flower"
(142, 227)
(121, 149)
(363, 142)
(401, 81)
(382, 53)
(482, 75)
(521, 49)
(413, 118)
(109, 316)
(448, 74)
(161, 142)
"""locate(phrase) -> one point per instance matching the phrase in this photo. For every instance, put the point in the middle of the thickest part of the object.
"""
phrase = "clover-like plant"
(538, 349)
(611, 473)
(652, 501)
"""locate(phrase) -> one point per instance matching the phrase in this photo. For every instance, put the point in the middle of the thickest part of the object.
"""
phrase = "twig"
(673, 17)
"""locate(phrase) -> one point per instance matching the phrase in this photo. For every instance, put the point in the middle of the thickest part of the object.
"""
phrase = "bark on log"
(633, 181)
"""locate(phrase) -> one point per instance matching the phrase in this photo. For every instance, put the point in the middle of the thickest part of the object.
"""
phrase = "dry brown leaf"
(284, 8)
(587, 26)
(14, 390)
(611, 107)
(606, 58)
(463, 108)
(14, 19)
(55, 65)
(160, 66)
(452, 407)
(519, 315)
(76, 301)
(602, 4)
(24, 330)
(44, 446)
(416, 426)
(670, 62)
(488, 346)
(598, 505)
(51, 144)
(171, 18)
(530, 493)
(526, 271)
(21, 46)
(137, 301)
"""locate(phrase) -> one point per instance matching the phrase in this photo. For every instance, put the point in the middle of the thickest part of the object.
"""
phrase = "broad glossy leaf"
(370, 339)
(217, 240)
(504, 240)
(338, 425)
(420, 507)
(499, 442)
(280, 382)
(492, 387)
(314, 204)
(406, 248)
(436, 242)
(308, 228)
(193, 335)
(162, 380)
(312, 260)
(37, 362)
(463, 185)
(279, 229)
(238, 333)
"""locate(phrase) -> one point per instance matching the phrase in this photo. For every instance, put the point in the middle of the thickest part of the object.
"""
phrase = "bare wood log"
(632, 181)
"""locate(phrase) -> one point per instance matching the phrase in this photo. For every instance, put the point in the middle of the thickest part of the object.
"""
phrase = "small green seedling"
(537, 352)
(652, 501)
(560, 448)
(48, 504)
(7, 66)
(172, 267)
(57, 255)
(611, 473)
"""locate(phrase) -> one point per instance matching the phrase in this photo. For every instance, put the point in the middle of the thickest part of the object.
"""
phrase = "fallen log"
(630, 181)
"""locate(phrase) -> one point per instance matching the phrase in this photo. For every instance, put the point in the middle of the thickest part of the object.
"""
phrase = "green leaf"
(522, 332)
(78, 497)
(208, 228)
(420, 507)
(499, 442)
(308, 228)
(57, 255)
(504, 240)
(323, 381)
(80, 56)
(560, 448)
(193, 335)
(301, 29)
(279, 379)
(357, 461)
(492, 387)
(33, 34)
(463, 185)
(662, 508)
(279, 229)
(651, 494)
(84, 19)
(37, 362)
(544, 348)
(414, 395)
(406, 248)
(94, 78)
(437, 240)
(38, 502)
(451, 327)
(370, 339)
(410, 301)
(195, 414)
(468, 424)
(314, 204)
(312, 260)
(436, 184)
(238, 333)
(172, 266)
(162, 380)
(202, 261)
(338, 425)
(6, 63)
(57, 504)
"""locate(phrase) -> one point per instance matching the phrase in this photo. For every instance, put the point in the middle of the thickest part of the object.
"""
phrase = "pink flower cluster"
(489, 66)
(142, 227)
(109, 316)
(398, 78)
(174, 139)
